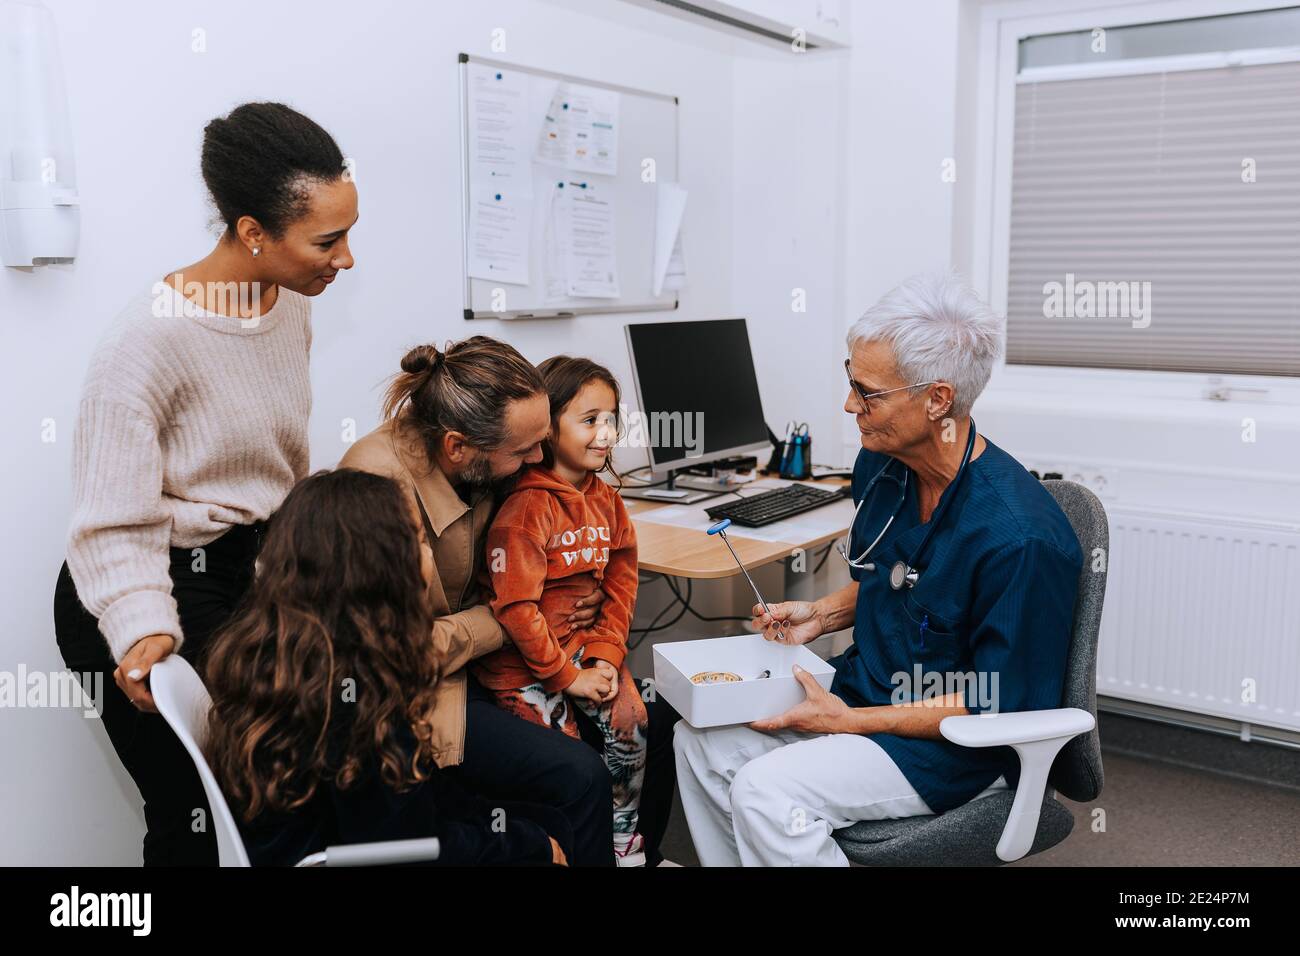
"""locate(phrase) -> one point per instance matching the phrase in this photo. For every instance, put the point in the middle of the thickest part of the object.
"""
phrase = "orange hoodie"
(549, 544)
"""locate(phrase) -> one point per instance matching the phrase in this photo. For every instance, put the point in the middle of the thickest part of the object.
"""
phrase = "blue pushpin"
(720, 529)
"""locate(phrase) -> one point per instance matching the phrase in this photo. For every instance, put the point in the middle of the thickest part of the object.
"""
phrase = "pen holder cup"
(796, 462)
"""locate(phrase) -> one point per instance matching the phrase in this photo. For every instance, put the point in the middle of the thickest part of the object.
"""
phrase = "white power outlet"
(1104, 483)
(1101, 481)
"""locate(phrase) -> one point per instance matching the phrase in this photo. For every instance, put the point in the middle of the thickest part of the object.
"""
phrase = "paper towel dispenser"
(40, 221)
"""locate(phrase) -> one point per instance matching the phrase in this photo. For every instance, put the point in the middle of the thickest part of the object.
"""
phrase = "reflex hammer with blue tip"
(720, 529)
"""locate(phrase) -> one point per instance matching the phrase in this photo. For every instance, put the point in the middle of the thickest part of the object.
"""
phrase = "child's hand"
(608, 669)
(590, 684)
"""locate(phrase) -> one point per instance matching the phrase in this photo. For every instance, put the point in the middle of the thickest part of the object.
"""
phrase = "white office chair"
(184, 703)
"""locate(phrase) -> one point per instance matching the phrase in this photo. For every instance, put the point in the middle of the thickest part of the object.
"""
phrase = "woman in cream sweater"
(192, 428)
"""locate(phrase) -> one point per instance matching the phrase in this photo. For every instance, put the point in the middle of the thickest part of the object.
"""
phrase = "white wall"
(788, 160)
(382, 79)
(901, 127)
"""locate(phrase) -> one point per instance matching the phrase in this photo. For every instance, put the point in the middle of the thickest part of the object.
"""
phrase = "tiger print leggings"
(622, 723)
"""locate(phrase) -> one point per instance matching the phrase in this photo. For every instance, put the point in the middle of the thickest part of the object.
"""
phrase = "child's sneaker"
(633, 854)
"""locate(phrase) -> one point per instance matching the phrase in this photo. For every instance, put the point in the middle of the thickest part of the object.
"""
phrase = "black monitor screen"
(698, 390)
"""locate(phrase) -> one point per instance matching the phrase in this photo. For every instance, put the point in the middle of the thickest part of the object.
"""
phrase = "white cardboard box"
(736, 702)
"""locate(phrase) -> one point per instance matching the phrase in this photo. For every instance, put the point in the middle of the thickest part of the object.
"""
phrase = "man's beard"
(477, 477)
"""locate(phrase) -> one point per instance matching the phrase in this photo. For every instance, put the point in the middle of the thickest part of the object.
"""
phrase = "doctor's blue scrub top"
(995, 600)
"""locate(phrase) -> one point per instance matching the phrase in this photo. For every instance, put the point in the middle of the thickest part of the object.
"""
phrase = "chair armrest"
(1022, 727)
(375, 854)
(1037, 736)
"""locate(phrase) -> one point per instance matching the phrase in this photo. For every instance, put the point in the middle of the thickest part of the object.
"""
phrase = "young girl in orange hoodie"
(562, 529)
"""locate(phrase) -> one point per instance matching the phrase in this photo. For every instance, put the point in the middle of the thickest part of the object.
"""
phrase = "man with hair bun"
(459, 424)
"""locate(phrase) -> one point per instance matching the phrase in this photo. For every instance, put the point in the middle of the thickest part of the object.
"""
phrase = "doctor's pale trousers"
(754, 798)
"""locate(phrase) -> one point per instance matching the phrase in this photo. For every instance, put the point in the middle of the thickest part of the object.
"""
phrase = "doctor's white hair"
(940, 331)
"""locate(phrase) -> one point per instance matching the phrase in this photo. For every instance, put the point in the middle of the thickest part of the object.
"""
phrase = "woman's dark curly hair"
(259, 160)
(328, 662)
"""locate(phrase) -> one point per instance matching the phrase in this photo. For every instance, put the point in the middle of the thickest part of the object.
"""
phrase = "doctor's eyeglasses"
(865, 397)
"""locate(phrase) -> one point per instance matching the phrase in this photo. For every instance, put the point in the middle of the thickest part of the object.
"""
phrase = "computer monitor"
(698, 392)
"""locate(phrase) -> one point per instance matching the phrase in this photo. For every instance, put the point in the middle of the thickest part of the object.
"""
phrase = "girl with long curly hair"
(322, 687)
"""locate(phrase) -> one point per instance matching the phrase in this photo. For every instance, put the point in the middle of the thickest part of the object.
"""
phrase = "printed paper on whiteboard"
(588, 237)
(580, 129)
(555, 281)
(499, 227)
(499, 129)
(670, 206)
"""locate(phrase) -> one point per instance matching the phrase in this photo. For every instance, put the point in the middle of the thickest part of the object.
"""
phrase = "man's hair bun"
(422, 358)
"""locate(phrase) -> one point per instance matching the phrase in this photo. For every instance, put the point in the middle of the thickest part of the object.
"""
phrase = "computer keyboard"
(763, 508)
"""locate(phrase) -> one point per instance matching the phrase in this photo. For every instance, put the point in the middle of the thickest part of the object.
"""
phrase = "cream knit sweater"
(190, 422)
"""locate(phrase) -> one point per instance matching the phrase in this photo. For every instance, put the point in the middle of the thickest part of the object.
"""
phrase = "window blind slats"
(1138, 179)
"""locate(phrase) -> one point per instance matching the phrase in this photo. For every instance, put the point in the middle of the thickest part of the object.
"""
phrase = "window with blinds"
(1155, 221)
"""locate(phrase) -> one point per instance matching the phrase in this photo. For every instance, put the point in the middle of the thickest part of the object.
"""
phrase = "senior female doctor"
(964, 573)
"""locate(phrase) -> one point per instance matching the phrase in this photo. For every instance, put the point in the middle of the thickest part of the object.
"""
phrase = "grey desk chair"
(1060, 747)
(184, 703)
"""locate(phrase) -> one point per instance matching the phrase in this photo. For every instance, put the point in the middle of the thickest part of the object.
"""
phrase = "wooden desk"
(691, 553)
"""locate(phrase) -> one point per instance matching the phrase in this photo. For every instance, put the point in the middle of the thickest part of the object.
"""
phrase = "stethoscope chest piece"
(901, 576)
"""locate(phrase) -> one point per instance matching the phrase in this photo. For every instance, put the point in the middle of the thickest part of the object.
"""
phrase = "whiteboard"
(647, 129)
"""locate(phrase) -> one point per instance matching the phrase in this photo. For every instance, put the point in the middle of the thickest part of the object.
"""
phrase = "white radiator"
(1203, 614)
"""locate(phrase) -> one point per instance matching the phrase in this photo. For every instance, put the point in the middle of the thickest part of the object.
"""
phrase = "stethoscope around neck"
(902, 574)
